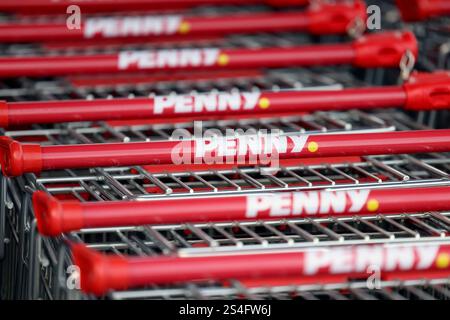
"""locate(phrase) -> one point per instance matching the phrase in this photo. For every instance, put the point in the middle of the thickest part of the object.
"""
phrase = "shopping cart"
(121, 183)
(42, 267)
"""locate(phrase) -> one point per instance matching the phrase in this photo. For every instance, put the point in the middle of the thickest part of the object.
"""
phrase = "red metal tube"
(419, 10)
(100, 273)
(318, 19)
(18, 158)
(422, 92)
(216, 104)
(55, 217)
(91, 6)
(384, 50)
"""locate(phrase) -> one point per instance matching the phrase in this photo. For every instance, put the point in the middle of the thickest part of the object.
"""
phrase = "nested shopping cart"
(237, 254)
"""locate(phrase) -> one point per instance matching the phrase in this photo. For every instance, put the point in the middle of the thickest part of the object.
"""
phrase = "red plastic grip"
(384, 49)
(55, 217)
(17, 158)
(428, 91)
(419, 10)
(429, 77)
(335, 18)
(100, 273)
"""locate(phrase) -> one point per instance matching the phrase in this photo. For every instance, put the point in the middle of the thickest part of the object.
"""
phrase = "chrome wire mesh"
(390, 290)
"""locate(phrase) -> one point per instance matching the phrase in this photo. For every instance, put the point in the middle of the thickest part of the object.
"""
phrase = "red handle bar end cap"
(55, 217)
(384, 49)
(17, 159)
(428, 91)
(99, 273)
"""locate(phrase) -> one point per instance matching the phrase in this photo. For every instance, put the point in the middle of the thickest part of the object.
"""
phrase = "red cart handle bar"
(381, 50)
(431, 94)
(419, 10)
(90, 6)
(55, 217)
(101, 273)
(260, 149)
(318, 20)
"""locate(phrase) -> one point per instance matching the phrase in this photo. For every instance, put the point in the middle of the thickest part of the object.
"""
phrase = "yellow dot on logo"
(184, 28)
(223, 59)
(443, 261)
(264, 103)
(373, 205)
(313, 146)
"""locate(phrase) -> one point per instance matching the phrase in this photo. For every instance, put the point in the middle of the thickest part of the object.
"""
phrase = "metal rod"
(55, 216)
